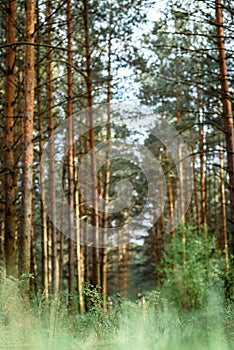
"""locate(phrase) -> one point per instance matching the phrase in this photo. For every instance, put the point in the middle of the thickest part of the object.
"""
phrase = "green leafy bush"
(190, 269)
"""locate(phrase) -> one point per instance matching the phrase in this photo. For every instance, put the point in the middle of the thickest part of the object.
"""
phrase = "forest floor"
(40, 325)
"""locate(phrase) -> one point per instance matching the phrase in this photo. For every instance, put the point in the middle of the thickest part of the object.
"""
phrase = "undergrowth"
(46, 324)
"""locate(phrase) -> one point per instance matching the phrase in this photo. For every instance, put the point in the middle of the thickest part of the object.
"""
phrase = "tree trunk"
(202, 175)
(44, 238)
(10, 186)
(51, 148)
(2, 253)
(89, 105)
(104, 267)
(27, 161)
(79, 249)
(169, 190)
(34, 280)
(224, 213)
(227, 112)
(181, 181)
(71, 239)
(49, 253)
(195, 185)
(61, 243)
(161, 219)
(123, 258)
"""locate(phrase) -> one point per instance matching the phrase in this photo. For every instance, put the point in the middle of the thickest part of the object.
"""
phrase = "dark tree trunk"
(10, 187)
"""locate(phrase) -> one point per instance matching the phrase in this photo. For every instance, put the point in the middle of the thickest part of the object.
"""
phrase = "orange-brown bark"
(10, 192)
(89, 104)
(49, 89)
(227, 112)
(27, 161)
(44, 238)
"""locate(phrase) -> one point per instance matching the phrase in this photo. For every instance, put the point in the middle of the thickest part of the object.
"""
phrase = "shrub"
(190, 269)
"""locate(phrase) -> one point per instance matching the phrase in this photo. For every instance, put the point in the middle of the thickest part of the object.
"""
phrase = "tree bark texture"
(49, 90)
(44, 238)
(27, 161)
(227, 112)
(10, 186)
(89, 105)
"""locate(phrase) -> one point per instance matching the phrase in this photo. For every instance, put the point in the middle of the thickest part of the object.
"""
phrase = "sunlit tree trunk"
(89, 86)
(51, 149)
(79, 247)
(181, 180)
(161, 219)
(104, 267)
(44, 240)
(86, 251)
(123, 269)
(195, 185)
(34, 270)
(27, 160)
(61, 243)
(49, 253)
(227, 112)
(123, 258)
(71, 239)
(224, 212)
(156, 250)
(202, 174)
(209, 188)
(169, 190)
(120, 268)
(10, 187)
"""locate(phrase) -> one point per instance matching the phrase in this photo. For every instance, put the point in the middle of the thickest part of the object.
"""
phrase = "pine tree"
(27, 161)
(10, 185)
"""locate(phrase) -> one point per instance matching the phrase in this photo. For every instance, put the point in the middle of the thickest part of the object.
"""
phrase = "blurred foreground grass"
(40, 324)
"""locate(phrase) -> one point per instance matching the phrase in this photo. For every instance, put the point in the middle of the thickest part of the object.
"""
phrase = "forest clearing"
(117, 174)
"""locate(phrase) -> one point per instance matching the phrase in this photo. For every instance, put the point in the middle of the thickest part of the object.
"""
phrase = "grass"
(41, 325)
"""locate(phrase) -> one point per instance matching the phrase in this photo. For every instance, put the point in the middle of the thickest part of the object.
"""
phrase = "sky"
(127, 86)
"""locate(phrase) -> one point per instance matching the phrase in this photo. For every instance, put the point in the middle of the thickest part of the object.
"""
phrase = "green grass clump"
(39, 324)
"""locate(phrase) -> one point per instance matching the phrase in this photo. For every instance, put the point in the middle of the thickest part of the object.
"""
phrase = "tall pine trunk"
(79, 248)
(223, 209)
(44, 238)
(202, 175)
(71, 217)
(197, 219)
(104, 263)
(227, 112)
(49, 91)
(89, 105)
(10, 189)
(27, 161)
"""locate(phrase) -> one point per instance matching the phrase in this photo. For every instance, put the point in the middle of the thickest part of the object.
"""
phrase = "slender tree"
(49, 89)
(10, 187)
(227, 111)
(89, 105)
(202, 177)
(27, 160)
(44, 238)
(104, 263)
(79, 247)
(70, 136)
(224, 212)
